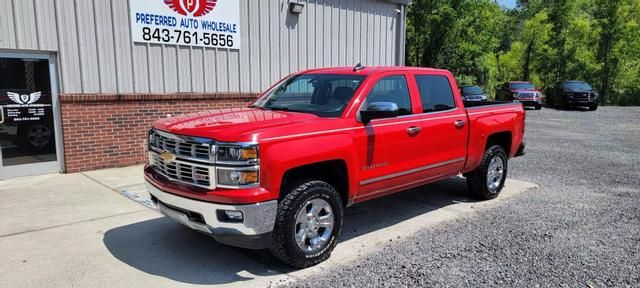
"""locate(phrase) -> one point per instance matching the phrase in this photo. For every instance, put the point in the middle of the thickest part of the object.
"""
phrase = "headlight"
(484, 97)
(516, 95)
(238, 154)
(570, 95)
(236, 178)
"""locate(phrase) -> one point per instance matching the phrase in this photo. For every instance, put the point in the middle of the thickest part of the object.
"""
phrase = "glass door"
(29, 116)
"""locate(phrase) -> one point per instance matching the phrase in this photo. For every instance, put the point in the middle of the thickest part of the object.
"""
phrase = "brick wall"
(105, 131)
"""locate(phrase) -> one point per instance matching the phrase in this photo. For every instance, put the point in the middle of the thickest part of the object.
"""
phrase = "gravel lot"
(581, 228)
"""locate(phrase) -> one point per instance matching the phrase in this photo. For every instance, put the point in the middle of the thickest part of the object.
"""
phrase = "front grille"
(581, 95)
(185, 172)
(527, 95)
(181, 148)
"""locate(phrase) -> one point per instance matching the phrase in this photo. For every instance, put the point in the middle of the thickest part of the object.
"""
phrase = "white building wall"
(96, 55)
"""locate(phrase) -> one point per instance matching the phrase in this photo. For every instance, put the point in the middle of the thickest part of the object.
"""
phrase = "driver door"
(389, 149)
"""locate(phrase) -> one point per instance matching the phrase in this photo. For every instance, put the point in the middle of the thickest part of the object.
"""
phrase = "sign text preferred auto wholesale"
(201, 23)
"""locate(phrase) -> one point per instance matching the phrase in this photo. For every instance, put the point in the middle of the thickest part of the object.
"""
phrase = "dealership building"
(82, 81)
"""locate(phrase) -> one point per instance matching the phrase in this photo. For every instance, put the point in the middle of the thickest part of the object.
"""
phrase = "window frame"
(375, 81)
(456, 105)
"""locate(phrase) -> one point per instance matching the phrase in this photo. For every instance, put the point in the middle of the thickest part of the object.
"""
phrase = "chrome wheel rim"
(495, 173)
(314, 224)
(39, 135)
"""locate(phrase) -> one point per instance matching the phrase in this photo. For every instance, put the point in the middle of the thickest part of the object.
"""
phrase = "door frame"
(44, 167)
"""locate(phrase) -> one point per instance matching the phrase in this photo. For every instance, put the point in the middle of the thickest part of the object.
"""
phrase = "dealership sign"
(201, 23)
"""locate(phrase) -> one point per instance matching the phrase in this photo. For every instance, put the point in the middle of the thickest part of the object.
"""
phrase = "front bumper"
(581, 101)
(254, 232)
(529, 102)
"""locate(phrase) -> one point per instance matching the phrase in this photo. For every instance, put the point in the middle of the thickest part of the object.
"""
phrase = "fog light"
(230, 216)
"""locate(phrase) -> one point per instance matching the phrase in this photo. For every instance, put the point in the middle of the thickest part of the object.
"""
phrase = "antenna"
(358, 67)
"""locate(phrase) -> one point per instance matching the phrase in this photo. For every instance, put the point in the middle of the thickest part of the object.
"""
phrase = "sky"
(507, 3)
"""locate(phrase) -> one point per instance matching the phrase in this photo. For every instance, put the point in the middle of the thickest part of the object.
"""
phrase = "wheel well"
(333, 172)
(503, 139)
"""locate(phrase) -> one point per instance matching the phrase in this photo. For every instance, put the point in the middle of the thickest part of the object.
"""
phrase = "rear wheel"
(308, 223)
(487, 181)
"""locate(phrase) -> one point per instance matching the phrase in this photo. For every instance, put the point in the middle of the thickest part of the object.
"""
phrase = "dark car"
(472, 93)
(573, 93)
(520, 91)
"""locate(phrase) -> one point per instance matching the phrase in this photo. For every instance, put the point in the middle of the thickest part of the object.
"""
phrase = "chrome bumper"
(253, 232)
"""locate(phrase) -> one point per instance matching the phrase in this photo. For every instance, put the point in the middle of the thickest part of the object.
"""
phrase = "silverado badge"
(167, 156)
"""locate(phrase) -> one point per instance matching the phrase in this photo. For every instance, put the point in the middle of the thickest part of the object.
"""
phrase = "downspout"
(401, 35)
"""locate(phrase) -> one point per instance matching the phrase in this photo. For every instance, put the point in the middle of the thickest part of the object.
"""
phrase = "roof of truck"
(369, 70)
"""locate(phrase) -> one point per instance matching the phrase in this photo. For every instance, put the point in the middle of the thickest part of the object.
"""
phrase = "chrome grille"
(181, 148)
(181, 171)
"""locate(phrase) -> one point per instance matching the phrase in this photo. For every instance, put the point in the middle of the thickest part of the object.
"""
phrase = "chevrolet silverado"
(279, 173)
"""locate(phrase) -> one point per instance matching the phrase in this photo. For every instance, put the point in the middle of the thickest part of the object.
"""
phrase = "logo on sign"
(24, 99)
(195, 8)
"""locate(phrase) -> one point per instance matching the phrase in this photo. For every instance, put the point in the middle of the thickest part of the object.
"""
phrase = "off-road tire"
(284, 246)
(477, 179)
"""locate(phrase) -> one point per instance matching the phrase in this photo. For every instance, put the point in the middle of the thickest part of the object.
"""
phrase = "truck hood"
(233, 125)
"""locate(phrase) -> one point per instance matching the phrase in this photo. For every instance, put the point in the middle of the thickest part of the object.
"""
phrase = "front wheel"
(593, 107)
(308, 223)
(539, 107)
(487, 181)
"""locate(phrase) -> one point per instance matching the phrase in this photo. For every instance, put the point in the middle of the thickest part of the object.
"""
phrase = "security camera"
(398, 11)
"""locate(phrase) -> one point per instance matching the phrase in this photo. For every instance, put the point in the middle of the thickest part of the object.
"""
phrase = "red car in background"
(521, 91)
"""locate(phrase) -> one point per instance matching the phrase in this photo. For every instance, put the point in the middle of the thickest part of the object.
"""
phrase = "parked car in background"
(279, 173)
(520, 91)
(472, 93)
(573, 93)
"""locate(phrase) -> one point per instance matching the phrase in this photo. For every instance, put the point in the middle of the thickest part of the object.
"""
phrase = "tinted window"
(325, 95)
(576, 86)
(523, 85)
(391, 89)
(471, 90)
(435, 93)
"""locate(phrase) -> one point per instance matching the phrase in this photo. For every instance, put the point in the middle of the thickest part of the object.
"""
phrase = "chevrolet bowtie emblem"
(167, 156)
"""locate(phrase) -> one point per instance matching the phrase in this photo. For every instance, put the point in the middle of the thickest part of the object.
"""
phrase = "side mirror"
(378, 110)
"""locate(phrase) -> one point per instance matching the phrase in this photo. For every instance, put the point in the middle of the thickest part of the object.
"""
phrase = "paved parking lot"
(95, 229)
(580, 227)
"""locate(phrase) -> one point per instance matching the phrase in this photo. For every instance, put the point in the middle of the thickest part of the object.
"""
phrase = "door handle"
(413, 130)
(459, 123)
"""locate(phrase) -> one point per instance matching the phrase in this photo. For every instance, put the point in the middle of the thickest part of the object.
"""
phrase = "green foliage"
(541, 41)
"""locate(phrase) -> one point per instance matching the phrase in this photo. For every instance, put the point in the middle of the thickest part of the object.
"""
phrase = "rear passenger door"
(445, 127)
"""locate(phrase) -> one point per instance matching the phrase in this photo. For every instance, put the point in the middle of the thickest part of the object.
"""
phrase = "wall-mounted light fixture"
(296, 7)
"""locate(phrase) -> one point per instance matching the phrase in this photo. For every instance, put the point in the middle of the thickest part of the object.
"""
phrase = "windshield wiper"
(277, 108)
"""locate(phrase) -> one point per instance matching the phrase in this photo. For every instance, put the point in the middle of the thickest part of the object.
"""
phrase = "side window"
(435, 93)
(391, 89)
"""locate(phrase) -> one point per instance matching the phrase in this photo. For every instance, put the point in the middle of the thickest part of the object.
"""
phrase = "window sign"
(201, 23)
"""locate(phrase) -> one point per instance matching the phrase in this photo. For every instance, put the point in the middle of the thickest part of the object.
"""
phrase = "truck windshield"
(576, 86)
(325, 95)
(472, 90)
(522, 86)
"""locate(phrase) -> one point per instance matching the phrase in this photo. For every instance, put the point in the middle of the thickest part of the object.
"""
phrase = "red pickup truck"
(279, 173)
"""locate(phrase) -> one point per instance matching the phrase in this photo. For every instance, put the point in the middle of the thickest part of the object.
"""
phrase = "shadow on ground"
(164, 248)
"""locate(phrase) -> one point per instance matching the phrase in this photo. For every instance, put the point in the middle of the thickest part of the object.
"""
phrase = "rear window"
(522, 86)
(435, 93)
